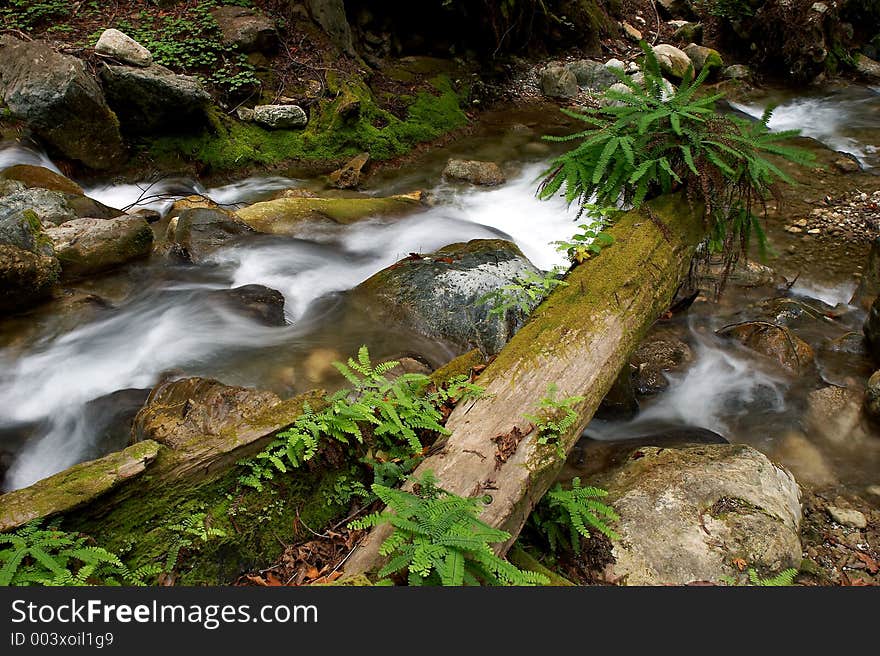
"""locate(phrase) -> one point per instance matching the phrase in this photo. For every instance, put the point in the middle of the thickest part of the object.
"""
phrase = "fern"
(563, 516)
(648, 141)
(522, 295)
(438, 539)
(51, 557)
(784, 578)
(553, 419)
(187, 533)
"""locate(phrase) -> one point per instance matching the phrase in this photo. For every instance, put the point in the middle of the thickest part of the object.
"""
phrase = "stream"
(73, 371)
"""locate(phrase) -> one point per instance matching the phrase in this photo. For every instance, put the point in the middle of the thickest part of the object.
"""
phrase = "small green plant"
(48, 556)
(730, 9)
(650, 141)
(438, 539)
(191, 532)
(564, 516)
(553, 419)
(26, 15)
(783, 579)
(587, 243)
(523, 294)
(459, 388)
(345, 489)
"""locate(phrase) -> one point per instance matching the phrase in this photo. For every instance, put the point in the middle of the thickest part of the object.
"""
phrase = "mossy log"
(578, 340)
(284, 215)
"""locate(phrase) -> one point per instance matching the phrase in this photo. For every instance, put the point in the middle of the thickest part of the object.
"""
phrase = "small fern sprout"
(553, 419)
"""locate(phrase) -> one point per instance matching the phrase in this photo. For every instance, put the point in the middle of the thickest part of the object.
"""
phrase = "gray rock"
(330, 15)
(246, 29)
(558, 82)
(867, 67)
(847, 517)
(702, 57)
(688, 32)
(615, 64)
(154, 99)
(50, 207)
(654, 358)
(60, 101)
(478, 173)
(685, 514)
(258, 302)
(872, 396)
(676, 8)
(673, 62)
(88, 246)
(121, 47)
(438, 295)
(833, 414)
(591, 74)
(737, 72)
(198, 232)
(349, 176)
(619, 87)
(245, 114)
(281, 117)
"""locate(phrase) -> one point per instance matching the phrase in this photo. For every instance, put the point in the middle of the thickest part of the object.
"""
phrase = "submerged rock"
(121, 47)
(656, 356)
(479, 173)
(258, 302)
(686, 514)
(872, 396)
(25, 277)
(280, 117)
(438, 294)
(88, 246)
(198, 232)
(42, 178)
(834, 414)
(872, 329)
(61, 101)
(155, 99)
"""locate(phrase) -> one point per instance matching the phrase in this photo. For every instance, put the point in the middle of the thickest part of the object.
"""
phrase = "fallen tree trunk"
(578, 340)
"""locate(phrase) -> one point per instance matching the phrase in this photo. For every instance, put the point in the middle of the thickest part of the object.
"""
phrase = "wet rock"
(40, 177)
(330, 15)
(180, 411)
(653, 358)
(685, 514)
(592, 74)
(50, 207)
(110, 417)
(88, 246)
(318, 364)
(675, 8)
(198, 232)
(847, 164)
(349, 176)
(620, 402)
(25, 277)
(280, 117)
(20, 226)
(478, 173)
(702, 57)
(867, 67)
(776, 342)
(121, 47)
(872, 396)
(258, 302)
(869, 285)
(673, 62)
(286, 215)
(872, 329)
(61, 101)
(154, 99)
(737, 72)
(558, 82)
(834, 414)
(438, 294)
(246, 29)
(804, 460)
(847, 517)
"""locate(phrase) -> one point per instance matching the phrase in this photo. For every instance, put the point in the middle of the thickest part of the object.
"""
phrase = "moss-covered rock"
(41, 177)
(702, 57)
(88, 246)
(284, 216)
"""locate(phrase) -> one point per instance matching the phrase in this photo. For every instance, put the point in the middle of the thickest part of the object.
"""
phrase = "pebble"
(873, 489)
(813, 231)
(793, 229)
(847, 517)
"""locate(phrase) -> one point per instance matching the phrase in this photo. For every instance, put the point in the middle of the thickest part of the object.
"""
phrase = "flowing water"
(73, 371)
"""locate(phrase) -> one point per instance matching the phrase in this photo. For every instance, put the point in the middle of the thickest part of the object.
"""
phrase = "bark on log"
(578, 339)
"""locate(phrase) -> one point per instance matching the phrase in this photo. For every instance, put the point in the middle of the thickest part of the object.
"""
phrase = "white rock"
(847, 517)
(121, 47)
(280, 116)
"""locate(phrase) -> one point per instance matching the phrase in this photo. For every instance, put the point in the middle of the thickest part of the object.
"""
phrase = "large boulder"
(88, 246)
(656, 356)
(479, 173)
(40, 177)
(592, 74)
(558, 82)
(119, 46)
(280, 117)
(686, 514)
(60, 101)
(50, 207)
(154, 99)
(246, 29)
(776, 342)
(198, 232)
(330, 15)
(439, 294)
(28, 267)
(673, 62)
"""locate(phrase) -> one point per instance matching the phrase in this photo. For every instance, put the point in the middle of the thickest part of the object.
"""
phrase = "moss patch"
(348, 124)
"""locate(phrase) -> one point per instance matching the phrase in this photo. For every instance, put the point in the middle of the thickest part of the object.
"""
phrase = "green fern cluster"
(438, 539)
(189, 532)
(648, 141)
(394, 414)
(783, 579)
(554, 418)
(34, 555)
(564, 516)
(523, 294)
